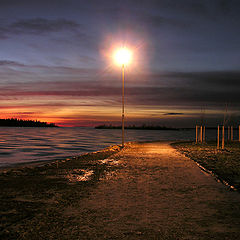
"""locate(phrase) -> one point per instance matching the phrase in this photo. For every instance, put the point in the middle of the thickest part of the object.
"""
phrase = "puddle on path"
(79, 175)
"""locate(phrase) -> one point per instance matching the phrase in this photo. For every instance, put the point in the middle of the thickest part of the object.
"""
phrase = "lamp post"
(122, 105)
(122, 57)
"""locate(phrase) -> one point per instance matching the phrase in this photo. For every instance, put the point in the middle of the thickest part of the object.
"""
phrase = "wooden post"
(228, 133)
(204, 134)
(201, 134)
(197, 133)
(231, 133)
(239, 133)
(218, 136)
(223, 137)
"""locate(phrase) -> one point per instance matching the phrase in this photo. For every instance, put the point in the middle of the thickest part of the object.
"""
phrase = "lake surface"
(21, 145)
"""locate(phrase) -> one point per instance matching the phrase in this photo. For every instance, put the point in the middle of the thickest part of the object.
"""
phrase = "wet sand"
(146, 191)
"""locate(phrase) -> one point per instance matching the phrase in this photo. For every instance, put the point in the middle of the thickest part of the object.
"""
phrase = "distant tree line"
(14, 122)
(142, 127)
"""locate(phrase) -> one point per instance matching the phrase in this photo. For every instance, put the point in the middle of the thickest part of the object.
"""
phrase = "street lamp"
(123, 57)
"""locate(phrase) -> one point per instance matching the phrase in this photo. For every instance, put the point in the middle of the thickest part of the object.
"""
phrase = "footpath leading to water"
(146, 191)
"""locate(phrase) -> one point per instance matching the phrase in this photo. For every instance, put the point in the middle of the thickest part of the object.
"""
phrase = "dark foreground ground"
(33, 199)
(146, 191)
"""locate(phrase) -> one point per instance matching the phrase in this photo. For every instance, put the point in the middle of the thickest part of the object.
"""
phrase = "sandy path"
(157, 193)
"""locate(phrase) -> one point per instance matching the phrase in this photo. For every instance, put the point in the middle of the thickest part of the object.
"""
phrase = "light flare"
(123, 56)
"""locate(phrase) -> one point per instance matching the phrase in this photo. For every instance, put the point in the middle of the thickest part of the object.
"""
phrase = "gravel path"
(157, 193)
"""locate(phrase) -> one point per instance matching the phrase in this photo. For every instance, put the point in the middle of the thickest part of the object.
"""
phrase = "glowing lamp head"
(123, 56)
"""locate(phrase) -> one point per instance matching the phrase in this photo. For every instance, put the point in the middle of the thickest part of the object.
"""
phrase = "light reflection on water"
(19, 145)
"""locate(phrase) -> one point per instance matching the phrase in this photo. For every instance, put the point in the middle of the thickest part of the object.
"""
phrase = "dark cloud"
(10, 63)
(159, 21)
(180, 96)
(215, 80)
(168, 88)
(41, 25)
(187, 6)
(152, 96)
(28, 113)
(226, 5)
(172, 114)
(38, 26)
(6, 3)
(138, 19)
(203, 8)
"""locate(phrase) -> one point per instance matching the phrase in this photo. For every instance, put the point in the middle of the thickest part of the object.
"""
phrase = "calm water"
(19, 145)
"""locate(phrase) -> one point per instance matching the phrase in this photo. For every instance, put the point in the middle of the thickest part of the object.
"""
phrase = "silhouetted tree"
(14, 122)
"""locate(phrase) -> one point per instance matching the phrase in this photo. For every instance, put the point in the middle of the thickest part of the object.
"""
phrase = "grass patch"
(224, 163)
(33, 199)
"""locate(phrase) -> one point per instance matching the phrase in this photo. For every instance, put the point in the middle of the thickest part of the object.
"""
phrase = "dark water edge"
(32, 145)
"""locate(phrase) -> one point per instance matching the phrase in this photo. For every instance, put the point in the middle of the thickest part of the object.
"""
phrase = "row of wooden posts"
(201, 135)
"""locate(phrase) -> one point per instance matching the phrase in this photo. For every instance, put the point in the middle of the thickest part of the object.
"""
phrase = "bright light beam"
(123, 56)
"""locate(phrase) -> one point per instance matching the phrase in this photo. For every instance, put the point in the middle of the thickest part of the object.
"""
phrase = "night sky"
(56, 61)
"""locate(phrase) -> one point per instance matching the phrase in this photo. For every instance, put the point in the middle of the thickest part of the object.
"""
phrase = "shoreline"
(47, 188)
(25, 164)
(43, 163)
(46, 163)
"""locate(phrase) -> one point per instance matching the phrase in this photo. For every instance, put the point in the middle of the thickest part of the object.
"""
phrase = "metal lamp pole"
(122, 105)
(123, 56)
